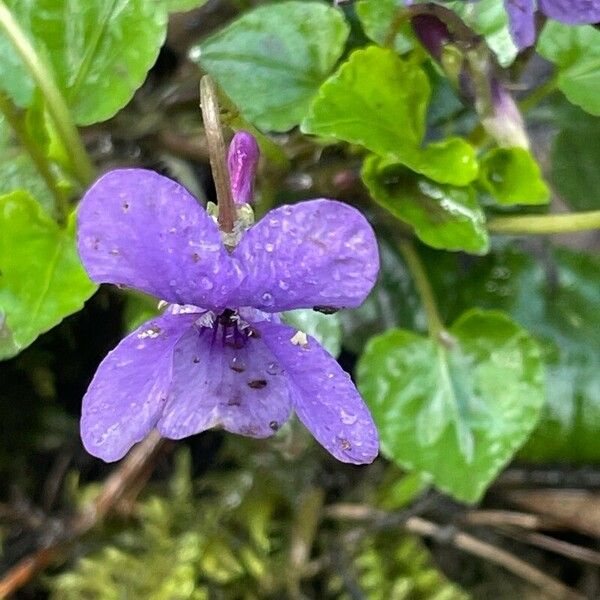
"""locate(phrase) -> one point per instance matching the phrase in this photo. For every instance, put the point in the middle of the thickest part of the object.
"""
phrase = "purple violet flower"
(219, 354)
(242, 162)
(521, 14)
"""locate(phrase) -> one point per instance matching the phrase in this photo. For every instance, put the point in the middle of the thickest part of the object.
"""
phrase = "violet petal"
(572, 12)
(521, 21)
(323, 396)
(126, 395)
(139, 229)
(315, 253)
(243, 390)
(242, 161)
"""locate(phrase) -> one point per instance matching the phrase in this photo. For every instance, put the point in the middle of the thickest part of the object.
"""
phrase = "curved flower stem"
(539, 94)
(217, 151)
(57, 107)
(546, 224)
(417, 270)
(8, 109)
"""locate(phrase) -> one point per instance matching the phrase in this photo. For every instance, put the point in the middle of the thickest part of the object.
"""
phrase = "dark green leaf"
(99, 50)
(272, 60)
(443, 216)
(456, 412)
(512, 176)
(379, 101)
(556, 297)
(575, 164)
(576, 53)
(41, 278)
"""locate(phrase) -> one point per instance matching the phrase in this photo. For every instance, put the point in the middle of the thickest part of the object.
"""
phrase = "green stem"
(539, 94)
(546, 224)
(8, 109)
(55, 102)
(419, 275)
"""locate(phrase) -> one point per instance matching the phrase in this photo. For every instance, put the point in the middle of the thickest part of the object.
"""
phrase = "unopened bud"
(242, 162)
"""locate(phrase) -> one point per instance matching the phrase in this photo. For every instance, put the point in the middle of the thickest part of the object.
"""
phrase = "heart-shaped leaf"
(272, 60)
(458, 410)
(379, 101)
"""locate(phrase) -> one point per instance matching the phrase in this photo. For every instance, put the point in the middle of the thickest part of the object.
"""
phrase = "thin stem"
(546, 224)
(217, 151)
(57, 107)
(417, 270)
(539, 94)
(8, 109)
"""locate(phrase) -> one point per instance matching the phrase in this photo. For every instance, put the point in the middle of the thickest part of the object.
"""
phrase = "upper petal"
(126, 395)
(314, 253)
(573, 12)
(521, 21)
(214, 384)
(140, 229)
(323, 396)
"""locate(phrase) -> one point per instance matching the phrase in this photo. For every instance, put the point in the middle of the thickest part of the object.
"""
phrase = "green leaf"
(99, 50)
(138, 309)
(18, 171)
(442, 216)
(489, 19)
(455, 412)
(41, 278)
(512, 176)
(557, 300)
(326, 329)
(272, 60)
(377, 16)
(180, 5)
(576, 53)
(379, 101)
(575, 159)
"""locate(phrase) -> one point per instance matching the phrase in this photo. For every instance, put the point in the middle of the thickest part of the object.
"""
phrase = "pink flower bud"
(242, 162)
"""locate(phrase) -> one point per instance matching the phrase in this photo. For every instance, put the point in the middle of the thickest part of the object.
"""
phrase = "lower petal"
(323, 395)
(129, 388)
(243, 390)
(573, 12)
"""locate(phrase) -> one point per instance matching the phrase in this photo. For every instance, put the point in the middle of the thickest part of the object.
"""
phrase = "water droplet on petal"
(206, 283)
(284, 285)
(273, 368)
(267, 299)
(269, 247)
(237, 365)
(348, 418)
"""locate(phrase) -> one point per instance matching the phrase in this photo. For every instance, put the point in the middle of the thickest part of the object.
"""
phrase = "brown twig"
(116, 487)
(551, 587)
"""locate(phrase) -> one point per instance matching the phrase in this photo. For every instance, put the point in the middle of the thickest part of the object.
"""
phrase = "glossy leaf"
(489, 19)
(442, 216)
(576, 53)
(575, 159)
(41, 278)
(377, 17)
(379, 101)
(99, 51)
(455, 412)
(326, 329)
(557, 299)
(272, 60)
(512, 176)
